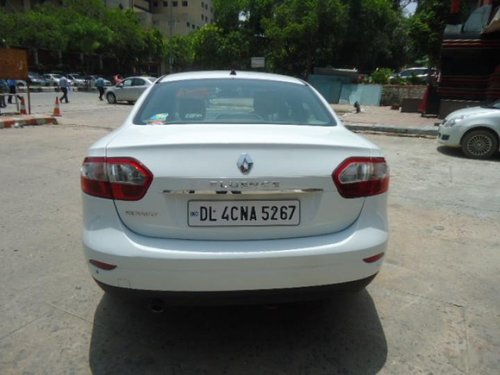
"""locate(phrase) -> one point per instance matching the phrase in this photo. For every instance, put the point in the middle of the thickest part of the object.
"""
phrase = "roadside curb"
(20, 121)
(399, 130)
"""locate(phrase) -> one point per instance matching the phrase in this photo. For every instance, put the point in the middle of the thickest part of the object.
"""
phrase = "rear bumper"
(172, 265)
(264, 296)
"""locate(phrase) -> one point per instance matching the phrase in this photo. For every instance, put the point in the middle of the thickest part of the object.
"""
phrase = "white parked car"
(52, 79)
(476, 130)
(233, 184)
(76, 79)
(129, 90)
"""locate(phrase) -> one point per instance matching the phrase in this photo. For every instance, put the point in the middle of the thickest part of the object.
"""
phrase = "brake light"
(373, 258)
(361, 177)
(115, 178)
(102, 265)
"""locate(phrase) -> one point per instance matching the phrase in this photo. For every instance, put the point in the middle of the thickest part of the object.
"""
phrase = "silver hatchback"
(476, 130)
(129, 90)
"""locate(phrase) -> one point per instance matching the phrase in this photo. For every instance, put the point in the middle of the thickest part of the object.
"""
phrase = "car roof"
(145, 77)
(227, 74)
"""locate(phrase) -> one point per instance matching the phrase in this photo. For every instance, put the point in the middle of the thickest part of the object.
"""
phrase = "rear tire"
(111, 98)
(479, 144)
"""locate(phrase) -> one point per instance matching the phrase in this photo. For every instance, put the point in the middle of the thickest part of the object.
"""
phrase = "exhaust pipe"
(157, 306)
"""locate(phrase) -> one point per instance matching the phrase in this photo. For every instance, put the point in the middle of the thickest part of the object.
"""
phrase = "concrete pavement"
(386, 120)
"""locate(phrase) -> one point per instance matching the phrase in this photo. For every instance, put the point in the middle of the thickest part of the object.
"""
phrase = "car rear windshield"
(233, 101)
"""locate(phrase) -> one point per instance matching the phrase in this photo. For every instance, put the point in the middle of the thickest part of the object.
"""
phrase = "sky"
(410, 9)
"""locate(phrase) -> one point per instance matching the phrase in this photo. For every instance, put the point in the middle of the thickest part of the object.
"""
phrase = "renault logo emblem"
(245, 163)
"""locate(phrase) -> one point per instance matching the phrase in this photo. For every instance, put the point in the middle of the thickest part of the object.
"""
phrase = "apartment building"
(171, 17)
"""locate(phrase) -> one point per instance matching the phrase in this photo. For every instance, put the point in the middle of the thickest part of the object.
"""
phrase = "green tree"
(376, 36)
(227, 14)
(154, 44)
(39, 30)
(427, 25)
(84, 26)
(214, 49)
(240, 21)
(303, 34)
(179, 53)
(426, 29)
(8, 23)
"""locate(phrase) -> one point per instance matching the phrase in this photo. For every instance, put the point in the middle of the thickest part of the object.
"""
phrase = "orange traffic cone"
(57, 110)
(22, 109)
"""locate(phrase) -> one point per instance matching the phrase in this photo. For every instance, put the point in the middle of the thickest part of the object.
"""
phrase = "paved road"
(433, 309)
(84, 108)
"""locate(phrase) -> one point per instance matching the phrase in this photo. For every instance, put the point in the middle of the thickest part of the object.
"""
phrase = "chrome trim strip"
(244, 192)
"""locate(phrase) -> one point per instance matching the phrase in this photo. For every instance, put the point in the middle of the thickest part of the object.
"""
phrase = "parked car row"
(420, 74)
(52, 79)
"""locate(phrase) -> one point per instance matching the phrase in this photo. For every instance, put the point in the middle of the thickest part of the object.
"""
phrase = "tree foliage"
(426, 28)
(293, 35)
(376, 36)
(84, 26)
(297, 35)
(304, 34)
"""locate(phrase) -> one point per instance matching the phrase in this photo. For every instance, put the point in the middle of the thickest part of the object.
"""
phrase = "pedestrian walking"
(99, 83)
(64, 85)
(12, 89)
(4, 89)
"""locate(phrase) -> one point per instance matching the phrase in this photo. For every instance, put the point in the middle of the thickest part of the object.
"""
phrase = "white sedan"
(476, 130)
(129, 90)
(234, 185)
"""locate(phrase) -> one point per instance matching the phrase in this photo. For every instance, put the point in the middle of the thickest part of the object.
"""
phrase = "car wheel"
(111, 98)
(479, 144)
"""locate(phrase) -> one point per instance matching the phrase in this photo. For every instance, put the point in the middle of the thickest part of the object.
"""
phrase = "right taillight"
(361, 177)
(118, 178)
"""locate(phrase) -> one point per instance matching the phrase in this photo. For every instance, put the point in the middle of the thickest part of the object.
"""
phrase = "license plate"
(243, 213)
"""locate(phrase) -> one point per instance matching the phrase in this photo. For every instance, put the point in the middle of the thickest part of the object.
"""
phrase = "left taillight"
(362, 177)
(118, 178)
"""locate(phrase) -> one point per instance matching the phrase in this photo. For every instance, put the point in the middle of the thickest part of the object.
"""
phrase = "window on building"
(184, 3)
(155, 4)
(165, 3)
(188, 24)
(175, 3)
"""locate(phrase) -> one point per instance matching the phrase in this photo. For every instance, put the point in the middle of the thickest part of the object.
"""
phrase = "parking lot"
(434, 308)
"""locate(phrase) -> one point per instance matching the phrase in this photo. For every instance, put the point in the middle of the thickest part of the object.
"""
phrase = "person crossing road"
(99, 83)
(64, 85)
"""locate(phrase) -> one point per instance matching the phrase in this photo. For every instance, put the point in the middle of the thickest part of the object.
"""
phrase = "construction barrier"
(57, 109)
(22, 109)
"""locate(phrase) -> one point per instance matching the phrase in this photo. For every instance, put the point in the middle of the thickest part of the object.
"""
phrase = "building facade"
(170, 17)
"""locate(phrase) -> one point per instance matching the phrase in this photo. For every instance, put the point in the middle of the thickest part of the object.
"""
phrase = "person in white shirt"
(63, 85)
